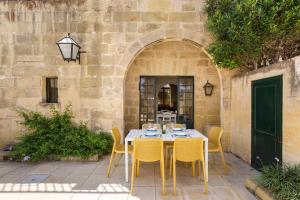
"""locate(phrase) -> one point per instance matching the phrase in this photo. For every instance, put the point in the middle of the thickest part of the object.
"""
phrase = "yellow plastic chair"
(118, 148)
(151, 125)
(147, 150)
(169, 145)
(214, 144)
(188, 150)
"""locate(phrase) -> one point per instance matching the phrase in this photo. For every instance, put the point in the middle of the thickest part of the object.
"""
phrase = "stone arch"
(135, 48)
(160, 36)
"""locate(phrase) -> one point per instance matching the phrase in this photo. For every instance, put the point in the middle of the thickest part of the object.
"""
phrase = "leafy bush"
(284, 181)
(253, 33)
(58, 136)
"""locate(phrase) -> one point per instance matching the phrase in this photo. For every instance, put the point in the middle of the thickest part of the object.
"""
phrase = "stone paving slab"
(88, 181)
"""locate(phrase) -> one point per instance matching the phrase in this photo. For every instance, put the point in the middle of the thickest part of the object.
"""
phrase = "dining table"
(169, 136)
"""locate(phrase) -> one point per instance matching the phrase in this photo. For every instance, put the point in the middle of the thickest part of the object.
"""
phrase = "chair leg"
(171, 165)
(163, 175)
(193, 168)
(166, 153)
(119, 159)
(199, 168)
(133, 170)
(223, 160)
(204, 177)
(138, 167)
(213, 158)
(160, 169)
(110, 162)
(174, 175)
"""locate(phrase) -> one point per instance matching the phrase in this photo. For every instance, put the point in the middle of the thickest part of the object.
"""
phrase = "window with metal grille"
(51, 90)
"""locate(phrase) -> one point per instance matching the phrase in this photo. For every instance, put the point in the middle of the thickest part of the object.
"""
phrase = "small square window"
(51, 90)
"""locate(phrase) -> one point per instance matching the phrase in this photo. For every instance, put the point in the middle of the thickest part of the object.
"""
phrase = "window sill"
(46, 104)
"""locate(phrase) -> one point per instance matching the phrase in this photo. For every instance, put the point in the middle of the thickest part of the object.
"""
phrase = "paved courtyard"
(88, 181)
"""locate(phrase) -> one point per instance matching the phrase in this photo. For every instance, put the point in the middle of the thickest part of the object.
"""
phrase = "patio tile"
(194, 192)
(147, 177)
(169, 194)
(10, 196)
(12, 178)
(144, 193)
(57, 196)
(112, 196)
(84, 168)
(224, 193)
(216, 180)
(63, 170)
(7, 168)
(45, 168)
(243, 193)
(85, 196)
(94, 181)
(31, 196)
(55, 179)
(24, 169)
(80, 180)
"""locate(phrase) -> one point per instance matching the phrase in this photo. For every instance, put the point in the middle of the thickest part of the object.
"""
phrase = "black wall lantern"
(208, 89)
(69, 49)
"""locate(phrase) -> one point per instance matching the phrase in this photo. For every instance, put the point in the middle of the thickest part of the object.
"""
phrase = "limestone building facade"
(123, 40)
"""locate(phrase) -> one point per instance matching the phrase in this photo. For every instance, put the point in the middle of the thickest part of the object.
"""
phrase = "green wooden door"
(266, 121)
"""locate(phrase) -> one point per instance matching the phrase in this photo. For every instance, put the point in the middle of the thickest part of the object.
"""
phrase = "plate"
(177, 129)
(181, 134)
(151, 133)
(152, 129)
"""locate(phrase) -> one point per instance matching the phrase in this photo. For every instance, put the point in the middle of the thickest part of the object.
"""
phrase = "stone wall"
(241, 111)
(174, 59)
(114, 33)
(111, 31)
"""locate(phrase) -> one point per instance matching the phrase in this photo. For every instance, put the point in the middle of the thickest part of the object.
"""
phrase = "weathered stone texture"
(113, 33)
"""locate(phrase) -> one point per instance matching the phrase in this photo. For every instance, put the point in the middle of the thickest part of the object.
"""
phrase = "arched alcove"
(173, 59)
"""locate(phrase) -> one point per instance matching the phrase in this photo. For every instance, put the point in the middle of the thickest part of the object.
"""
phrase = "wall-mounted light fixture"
(208, 89)
(69, 49)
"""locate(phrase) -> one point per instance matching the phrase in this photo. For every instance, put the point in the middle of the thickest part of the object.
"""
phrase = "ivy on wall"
(253, 33)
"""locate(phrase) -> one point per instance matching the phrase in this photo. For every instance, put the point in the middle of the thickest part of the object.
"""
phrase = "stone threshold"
(258, 191)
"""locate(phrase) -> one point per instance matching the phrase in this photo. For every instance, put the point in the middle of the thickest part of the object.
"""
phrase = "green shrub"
(55, 136)
(253, 33)
(283, 182)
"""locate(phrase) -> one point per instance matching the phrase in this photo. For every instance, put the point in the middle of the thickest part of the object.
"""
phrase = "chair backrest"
(116, 136)
(188, 149)
(167, 116)
(151, 125)
(174, 125)
(214, 135)
(148, 149)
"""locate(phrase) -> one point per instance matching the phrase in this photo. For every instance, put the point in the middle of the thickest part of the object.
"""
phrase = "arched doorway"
(173, 59)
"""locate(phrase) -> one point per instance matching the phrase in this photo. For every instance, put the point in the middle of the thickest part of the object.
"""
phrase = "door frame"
(140, 125)
(194, 105)
(280, 102)
(155, 98)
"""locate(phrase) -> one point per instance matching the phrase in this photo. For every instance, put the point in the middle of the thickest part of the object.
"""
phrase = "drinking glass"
(184, 127)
